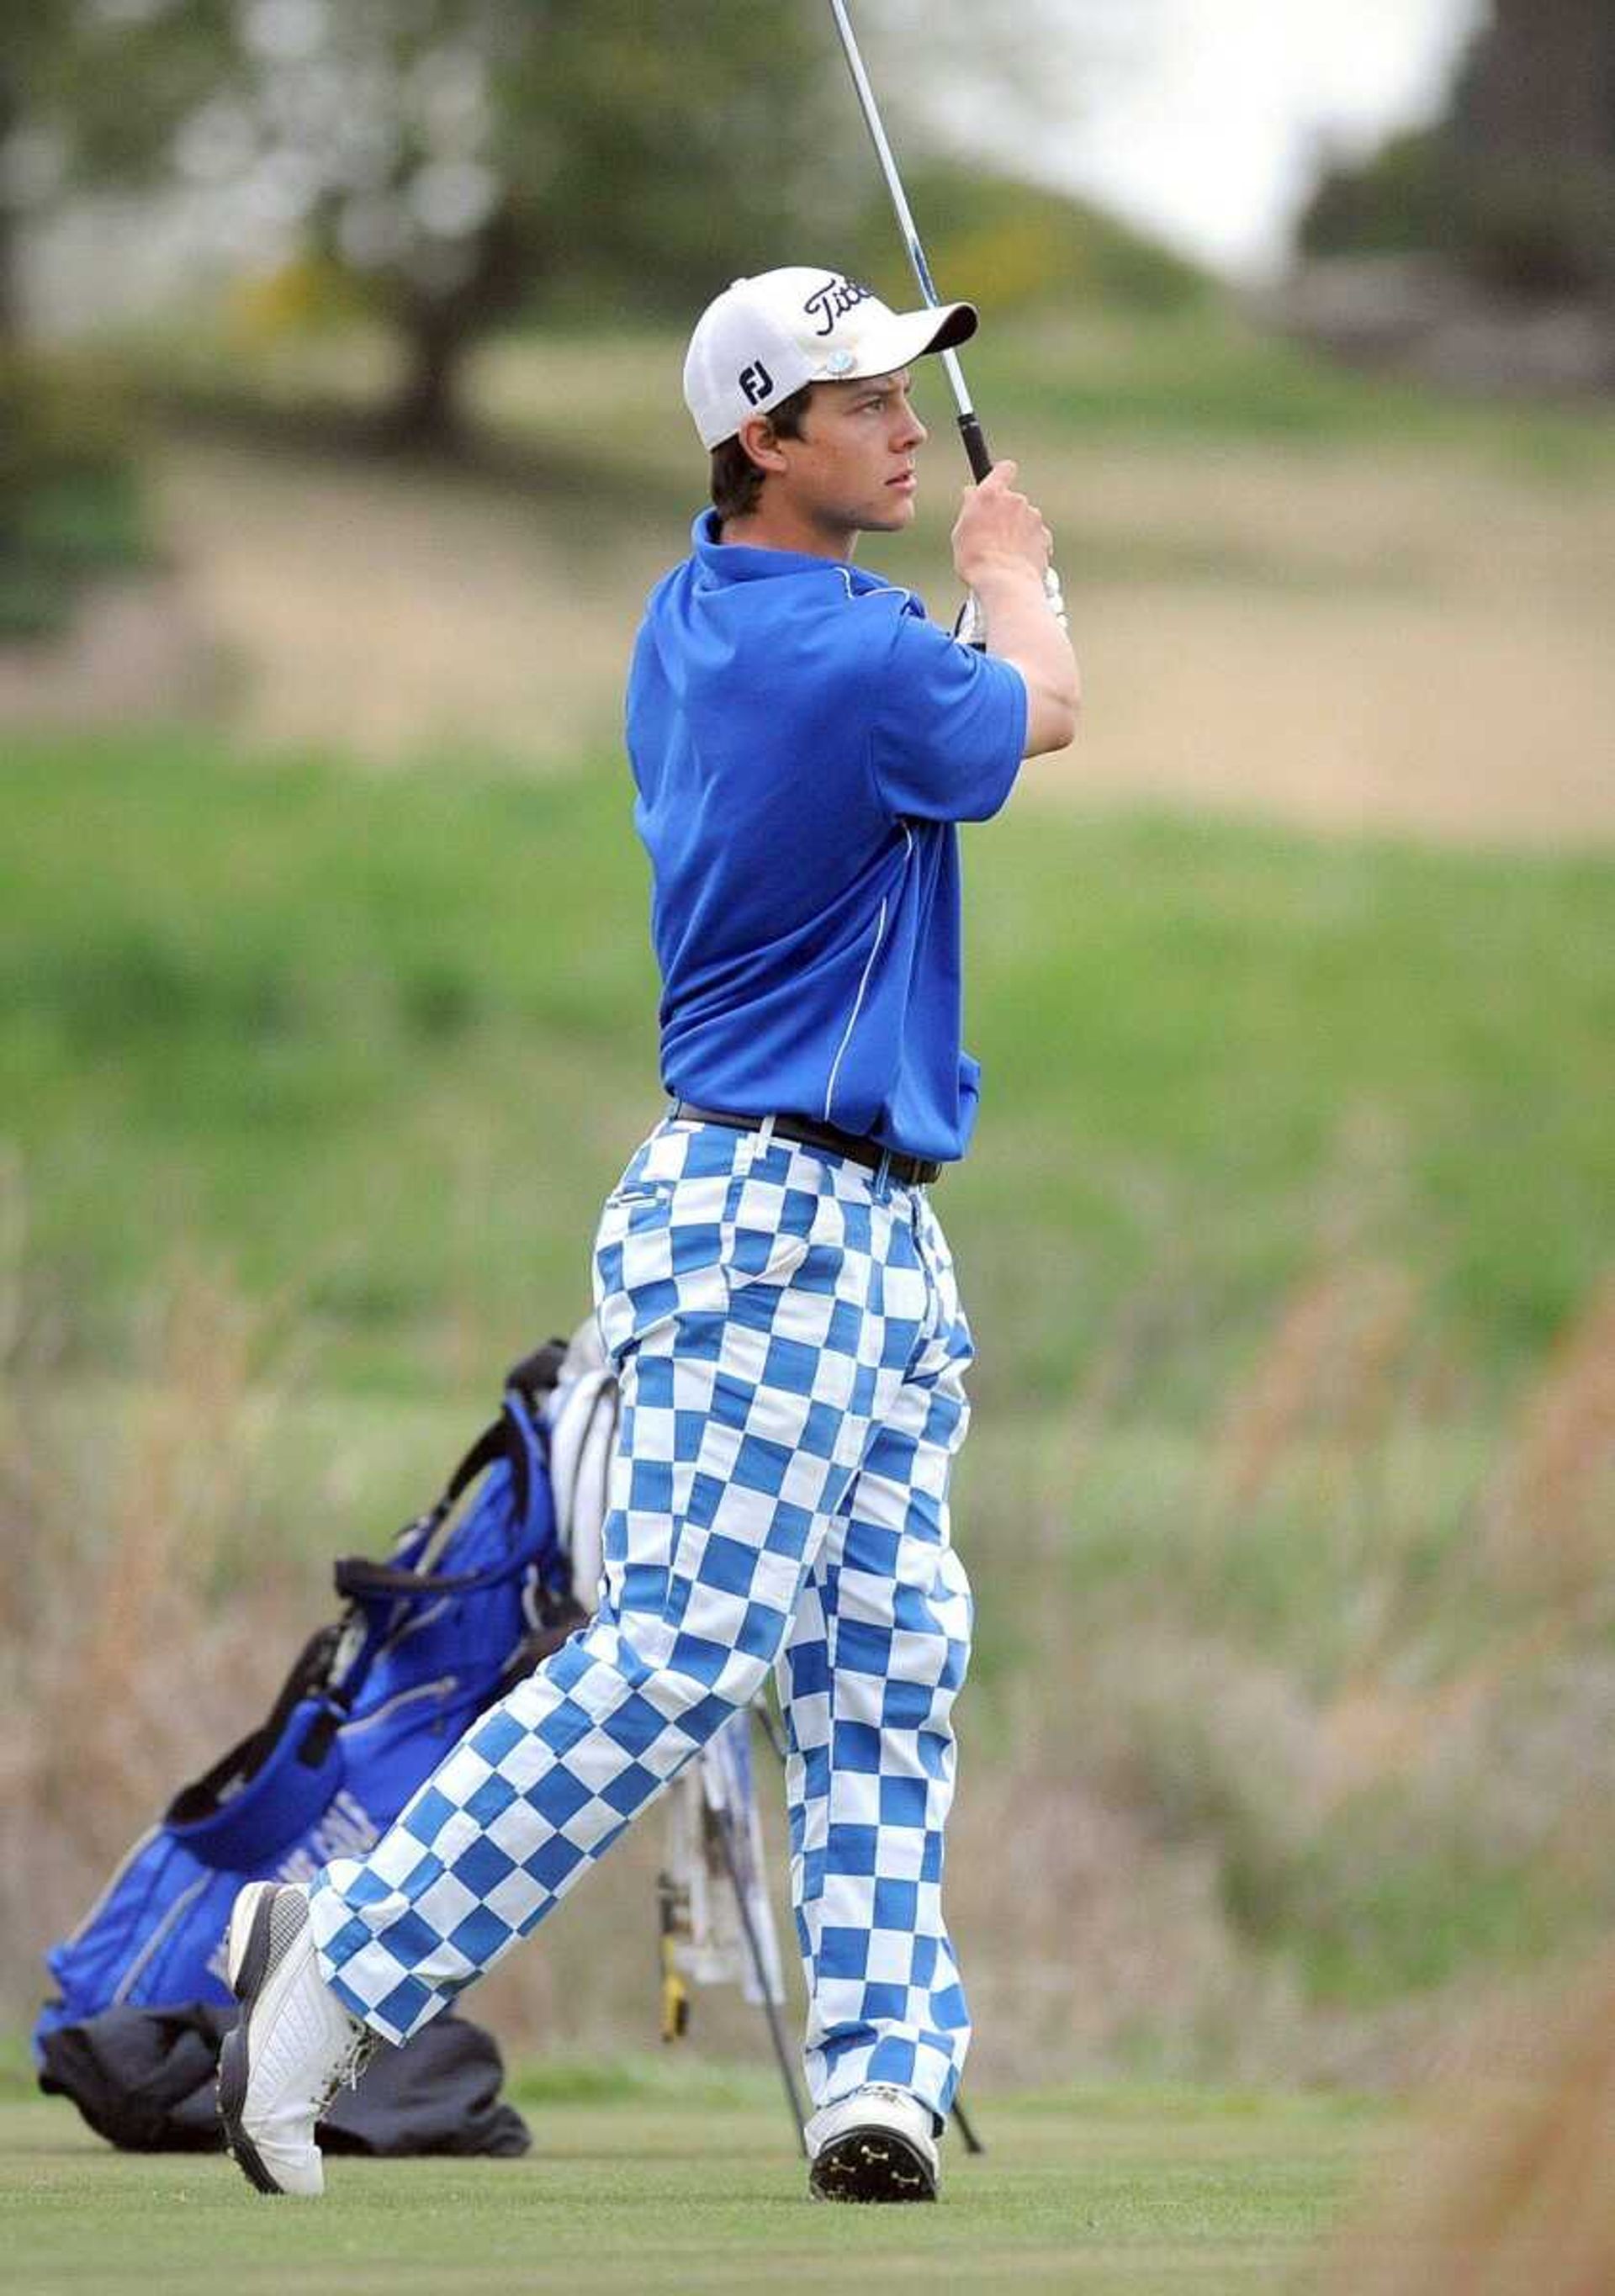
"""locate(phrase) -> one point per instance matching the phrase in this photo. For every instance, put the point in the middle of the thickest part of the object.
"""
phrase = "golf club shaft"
(782, 2056)
(971, 624)
(970, 425)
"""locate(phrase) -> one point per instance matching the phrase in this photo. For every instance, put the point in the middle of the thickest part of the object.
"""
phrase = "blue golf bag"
(475, 1593)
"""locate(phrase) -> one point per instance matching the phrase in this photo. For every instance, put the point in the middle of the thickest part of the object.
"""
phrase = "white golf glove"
(971, 628)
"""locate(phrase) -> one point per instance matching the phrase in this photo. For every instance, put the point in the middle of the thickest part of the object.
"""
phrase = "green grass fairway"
(385, 1044)
(1115, 2194)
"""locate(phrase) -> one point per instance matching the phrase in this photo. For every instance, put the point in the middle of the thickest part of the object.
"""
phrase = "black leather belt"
(911, 1171)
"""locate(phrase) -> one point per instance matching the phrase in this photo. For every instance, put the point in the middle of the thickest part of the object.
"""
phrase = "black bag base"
(143, 2078)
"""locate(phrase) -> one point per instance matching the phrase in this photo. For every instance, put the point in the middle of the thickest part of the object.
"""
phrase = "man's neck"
(778, 526)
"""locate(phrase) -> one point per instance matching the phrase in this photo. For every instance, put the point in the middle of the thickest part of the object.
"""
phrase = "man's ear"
(759, 443)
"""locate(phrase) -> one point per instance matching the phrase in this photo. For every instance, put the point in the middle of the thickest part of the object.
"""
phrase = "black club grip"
(975, 446)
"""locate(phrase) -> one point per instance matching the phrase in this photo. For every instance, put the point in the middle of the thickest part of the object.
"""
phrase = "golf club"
(971, 624)
(970, 425)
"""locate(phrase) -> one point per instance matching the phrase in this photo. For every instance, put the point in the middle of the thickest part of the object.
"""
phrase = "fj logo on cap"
(755, 381)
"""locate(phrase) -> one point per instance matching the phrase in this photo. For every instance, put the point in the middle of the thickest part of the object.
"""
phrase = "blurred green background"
(340, 439)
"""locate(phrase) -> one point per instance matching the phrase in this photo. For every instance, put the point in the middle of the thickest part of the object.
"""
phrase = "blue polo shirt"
(803, 742)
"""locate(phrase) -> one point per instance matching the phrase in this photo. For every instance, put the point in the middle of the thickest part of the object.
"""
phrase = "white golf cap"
(764, 338)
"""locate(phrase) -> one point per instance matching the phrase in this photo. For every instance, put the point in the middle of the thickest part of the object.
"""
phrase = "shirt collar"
(742, 561)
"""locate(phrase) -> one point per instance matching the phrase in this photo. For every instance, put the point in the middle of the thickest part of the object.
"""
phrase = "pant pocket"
(754, 1256)
(769, 1217)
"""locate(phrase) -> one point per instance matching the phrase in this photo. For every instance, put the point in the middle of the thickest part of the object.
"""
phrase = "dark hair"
(736, 480)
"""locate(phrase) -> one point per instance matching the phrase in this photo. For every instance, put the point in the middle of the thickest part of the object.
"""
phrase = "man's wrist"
(1003, 577)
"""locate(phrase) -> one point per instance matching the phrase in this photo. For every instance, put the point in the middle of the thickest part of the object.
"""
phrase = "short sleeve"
(950, 727)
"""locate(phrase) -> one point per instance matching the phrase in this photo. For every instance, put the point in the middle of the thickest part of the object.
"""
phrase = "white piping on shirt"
(879, 590)
(885, 590)
(857, 1003)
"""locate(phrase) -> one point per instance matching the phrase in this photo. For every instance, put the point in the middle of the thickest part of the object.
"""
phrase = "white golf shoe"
(293, 2044)
(877, 2144)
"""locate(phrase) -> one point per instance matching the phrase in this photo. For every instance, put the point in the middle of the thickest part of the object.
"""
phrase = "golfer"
(770, 1277)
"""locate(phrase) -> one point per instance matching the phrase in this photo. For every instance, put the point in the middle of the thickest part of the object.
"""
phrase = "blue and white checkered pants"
(791, 1349)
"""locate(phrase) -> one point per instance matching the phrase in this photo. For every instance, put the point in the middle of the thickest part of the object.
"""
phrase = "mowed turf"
(385, 1044)
(1117, 2193)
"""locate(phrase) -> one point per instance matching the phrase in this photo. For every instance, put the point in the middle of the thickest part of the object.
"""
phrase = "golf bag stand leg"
(781, 2053)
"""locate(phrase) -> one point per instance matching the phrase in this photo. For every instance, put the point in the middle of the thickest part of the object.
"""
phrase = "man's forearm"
(1021, 629)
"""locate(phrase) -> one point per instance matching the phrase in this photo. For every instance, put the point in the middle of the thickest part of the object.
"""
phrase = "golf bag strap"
(538, 1374)
(490, 1447)
(529, 1383)
(310, 1673)
(357, 1577)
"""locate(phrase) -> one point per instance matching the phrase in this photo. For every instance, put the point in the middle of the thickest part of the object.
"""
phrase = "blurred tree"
(455, 160)
(30, 42)
(91, 92)
(463, 158)
(71, 510)
(1517, 184)
(71, 506)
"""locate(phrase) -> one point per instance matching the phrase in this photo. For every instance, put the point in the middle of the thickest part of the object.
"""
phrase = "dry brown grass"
(1512, 2191)
(1331, 1368)
(395, 612)
(1147, 1818)
(137, 1637)
(1552, 1513)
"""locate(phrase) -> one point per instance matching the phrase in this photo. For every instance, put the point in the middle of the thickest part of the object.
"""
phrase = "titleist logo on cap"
(834, 300)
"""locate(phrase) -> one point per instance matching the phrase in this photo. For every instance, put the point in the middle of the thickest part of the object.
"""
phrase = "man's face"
(852, 471)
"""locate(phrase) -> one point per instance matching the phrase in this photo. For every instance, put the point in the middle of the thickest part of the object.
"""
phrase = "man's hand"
(1002, 550)
(998, 529)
